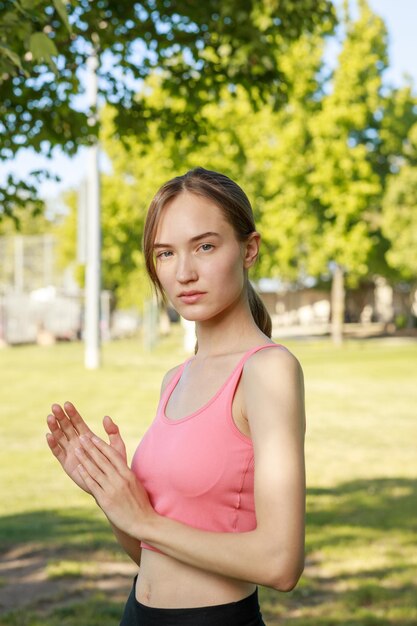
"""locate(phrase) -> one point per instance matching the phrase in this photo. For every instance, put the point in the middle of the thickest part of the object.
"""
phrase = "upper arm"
(273, 391)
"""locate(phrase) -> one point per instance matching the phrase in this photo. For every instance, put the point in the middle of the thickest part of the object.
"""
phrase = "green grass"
(97, 611)
(361, 474)
(72, 569)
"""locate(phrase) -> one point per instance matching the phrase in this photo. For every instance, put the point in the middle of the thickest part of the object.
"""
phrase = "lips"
(190, 297)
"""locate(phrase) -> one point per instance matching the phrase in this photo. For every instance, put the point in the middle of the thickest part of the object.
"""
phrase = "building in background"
(39, 302)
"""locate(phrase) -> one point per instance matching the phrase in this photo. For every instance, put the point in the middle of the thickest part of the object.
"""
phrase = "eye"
(206, 247)
(164, 254)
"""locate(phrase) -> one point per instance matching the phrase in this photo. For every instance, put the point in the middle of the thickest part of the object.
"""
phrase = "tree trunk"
(338, 305)
(411, 313)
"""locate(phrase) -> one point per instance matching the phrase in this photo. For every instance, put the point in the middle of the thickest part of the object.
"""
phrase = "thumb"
(115, 438)
(110, 427)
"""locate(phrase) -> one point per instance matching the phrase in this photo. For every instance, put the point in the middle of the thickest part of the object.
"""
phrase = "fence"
(25, 318)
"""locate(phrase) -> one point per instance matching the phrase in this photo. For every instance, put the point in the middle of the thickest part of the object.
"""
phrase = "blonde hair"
(236, 209)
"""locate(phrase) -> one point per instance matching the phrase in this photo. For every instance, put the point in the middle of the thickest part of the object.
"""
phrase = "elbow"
(287, 584)
(285, 578)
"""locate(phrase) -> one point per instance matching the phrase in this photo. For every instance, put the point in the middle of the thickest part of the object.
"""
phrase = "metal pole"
(19, 265)
(82, 223)
(48, 260)
(338, 304)
(92, 278)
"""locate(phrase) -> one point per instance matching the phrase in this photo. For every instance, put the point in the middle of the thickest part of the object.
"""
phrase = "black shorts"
(242, 613)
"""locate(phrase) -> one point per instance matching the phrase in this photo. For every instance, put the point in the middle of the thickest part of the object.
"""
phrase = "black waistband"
(244, 612)
(229, 607)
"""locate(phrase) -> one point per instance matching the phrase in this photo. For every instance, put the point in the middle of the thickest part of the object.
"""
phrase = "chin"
(194, 317)
(204, 316)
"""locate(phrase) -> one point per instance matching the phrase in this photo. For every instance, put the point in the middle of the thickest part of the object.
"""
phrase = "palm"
(66, 427)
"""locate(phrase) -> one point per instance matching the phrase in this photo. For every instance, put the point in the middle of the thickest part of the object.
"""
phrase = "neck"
(234, 330)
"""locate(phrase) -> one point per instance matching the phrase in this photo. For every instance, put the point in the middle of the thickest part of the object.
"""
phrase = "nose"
(186, 271)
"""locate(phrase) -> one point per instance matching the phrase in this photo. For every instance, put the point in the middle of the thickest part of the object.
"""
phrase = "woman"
(214, 502)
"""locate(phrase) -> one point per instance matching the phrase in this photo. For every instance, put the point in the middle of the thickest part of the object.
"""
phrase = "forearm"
(270, 555)
(247, 556)
(130, 545)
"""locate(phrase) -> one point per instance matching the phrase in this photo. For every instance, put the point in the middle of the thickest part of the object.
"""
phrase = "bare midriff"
(164, 582)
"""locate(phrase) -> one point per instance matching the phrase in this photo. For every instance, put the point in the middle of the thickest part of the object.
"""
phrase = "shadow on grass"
(61, 568)
(97, 611)
(382, 505)
(351, 516)
(77, 528)
(349, 519)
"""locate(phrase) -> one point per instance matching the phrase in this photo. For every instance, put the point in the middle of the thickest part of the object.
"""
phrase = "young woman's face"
(199, 261)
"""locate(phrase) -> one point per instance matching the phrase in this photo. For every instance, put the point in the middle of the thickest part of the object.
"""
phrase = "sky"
(400, 17)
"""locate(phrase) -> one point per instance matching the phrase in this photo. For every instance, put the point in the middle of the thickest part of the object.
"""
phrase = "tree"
(196, 47)
(288, 218)
(138, 170)
(23, 222)
(399, 222)
(315, 169)
(345, 185)
(262, 150)
(123, 271)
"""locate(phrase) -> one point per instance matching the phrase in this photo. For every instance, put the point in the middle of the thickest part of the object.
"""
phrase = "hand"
(114, 486)
(66, 426)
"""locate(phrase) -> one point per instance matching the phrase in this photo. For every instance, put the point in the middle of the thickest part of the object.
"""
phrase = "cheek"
(229, 272)
(164, 272)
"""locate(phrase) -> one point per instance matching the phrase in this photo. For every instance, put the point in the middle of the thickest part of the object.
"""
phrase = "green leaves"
(24, 36)
(198, 48)
(238, 87)
(14, 58)
(42, 48)
(399, 222)
(62, 12)
(344, 135)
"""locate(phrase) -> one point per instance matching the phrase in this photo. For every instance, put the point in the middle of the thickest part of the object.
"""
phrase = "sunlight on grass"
(97, 611)
(73, 569)
(361, 476)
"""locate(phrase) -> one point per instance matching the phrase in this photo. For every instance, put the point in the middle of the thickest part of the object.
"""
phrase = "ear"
(251, 249)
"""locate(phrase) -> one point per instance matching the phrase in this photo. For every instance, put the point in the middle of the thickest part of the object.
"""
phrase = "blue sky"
(400, 17)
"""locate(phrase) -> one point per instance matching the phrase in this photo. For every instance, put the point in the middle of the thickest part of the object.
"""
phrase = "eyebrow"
(192, 240)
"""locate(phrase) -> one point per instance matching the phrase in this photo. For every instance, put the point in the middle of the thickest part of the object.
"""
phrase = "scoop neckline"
(213, 398)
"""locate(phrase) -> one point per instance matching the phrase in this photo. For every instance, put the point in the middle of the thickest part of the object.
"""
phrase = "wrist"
(150, 527)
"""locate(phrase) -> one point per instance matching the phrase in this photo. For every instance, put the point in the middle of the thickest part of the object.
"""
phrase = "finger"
(96, 456)
(77, 421)
(55, 448)
(64, 422)
(54, 426)
(91, 467)
(92, 486)
(56, 431)
(115, 437)
(110, 427)
(113, 456)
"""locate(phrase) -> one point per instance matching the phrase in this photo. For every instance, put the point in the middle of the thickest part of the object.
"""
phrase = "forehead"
(189, 214)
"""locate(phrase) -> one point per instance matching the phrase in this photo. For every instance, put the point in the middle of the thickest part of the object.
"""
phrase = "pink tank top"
(199, 469)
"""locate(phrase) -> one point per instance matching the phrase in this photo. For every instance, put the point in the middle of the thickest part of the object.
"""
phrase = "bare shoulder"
(270, 363)
(168, 377)
(273, 385)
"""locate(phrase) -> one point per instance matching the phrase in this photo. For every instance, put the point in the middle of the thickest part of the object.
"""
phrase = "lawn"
(59, 562)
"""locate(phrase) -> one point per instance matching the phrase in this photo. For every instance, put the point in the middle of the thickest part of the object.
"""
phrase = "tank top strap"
(234, 378)
(174, 380)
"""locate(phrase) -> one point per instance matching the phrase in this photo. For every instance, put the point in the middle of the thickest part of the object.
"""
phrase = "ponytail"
(259, 312)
